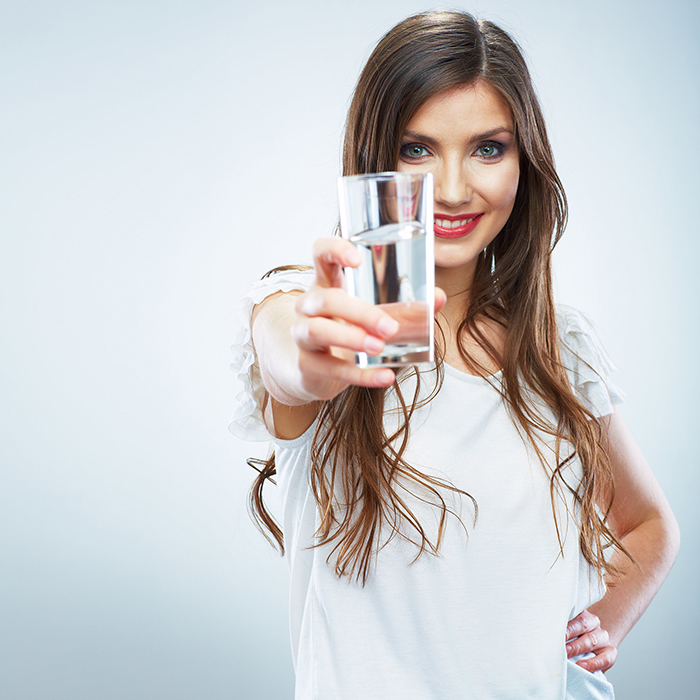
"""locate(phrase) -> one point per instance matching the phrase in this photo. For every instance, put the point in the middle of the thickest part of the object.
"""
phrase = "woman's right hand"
(331, 326)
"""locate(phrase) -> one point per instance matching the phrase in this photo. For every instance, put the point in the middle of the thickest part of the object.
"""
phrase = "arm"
(305, 343)
(642, 519)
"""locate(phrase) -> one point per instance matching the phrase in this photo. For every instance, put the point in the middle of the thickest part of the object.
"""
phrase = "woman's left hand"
(584, 634)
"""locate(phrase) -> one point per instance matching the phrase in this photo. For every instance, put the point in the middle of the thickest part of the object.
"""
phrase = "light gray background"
(155, 158)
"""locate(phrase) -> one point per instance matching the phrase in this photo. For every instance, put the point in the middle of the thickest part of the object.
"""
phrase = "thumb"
(331, 255)
(440, 299)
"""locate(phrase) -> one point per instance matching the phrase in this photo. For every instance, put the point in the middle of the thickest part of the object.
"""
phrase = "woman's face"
(465, 137)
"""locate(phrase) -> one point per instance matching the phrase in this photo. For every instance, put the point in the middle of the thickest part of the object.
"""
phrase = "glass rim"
(385, 175)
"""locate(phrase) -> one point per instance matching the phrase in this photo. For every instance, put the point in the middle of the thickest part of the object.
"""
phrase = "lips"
(455, 226)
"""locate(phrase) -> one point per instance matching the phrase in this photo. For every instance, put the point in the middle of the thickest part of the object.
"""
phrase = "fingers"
(318, 333)
(324, 375)
(602, 661)
(331, 255)
(335, 303)
(588, 642)
(331, 326)
(584, 635)
(582, 623)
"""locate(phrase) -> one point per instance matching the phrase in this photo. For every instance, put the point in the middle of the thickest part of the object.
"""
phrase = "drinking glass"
(389, 218)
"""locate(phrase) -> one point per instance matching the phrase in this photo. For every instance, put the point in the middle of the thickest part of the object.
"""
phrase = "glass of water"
(389, 219)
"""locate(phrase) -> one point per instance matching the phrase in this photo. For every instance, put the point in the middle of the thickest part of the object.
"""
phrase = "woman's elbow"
(673, 535)
(667, 533)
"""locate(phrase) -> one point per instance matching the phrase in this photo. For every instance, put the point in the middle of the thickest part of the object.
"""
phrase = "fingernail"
(569, 648)
(387, 326)
(373, 345)
(584, 664)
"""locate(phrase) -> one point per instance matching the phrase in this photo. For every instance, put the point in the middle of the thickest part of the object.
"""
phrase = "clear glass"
(389, 219)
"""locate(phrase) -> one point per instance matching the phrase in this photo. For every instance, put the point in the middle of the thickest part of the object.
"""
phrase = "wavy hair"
(358, 474)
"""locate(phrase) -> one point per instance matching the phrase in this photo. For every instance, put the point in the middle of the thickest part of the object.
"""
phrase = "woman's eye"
(414, 150)
(489, 150)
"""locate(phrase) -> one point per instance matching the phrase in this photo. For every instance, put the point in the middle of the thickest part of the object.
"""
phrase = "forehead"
(467, 109)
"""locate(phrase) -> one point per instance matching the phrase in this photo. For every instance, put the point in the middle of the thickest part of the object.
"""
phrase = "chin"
(451, 259)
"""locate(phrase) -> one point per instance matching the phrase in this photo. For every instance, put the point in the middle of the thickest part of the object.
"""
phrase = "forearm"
(276, 351)
(654, 545)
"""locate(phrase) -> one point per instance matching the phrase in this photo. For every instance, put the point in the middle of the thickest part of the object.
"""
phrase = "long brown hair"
(358, 473)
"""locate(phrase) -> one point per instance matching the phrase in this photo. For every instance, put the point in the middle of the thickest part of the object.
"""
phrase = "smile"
(455, 227)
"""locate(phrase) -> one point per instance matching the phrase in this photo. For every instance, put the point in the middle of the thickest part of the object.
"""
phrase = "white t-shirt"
(486, 618)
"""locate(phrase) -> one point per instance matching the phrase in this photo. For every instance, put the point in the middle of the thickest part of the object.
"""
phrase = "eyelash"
(499, 147)
(405, 148)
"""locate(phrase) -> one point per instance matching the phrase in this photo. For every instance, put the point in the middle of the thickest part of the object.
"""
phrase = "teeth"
(446, 223)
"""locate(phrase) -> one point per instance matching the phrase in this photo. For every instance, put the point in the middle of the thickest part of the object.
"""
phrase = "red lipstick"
(471, 219)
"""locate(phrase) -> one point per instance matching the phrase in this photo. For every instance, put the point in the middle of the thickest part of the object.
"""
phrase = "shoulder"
(283, 279)
(578, 336)
(587, 362)
(248, 421)
(570, 320)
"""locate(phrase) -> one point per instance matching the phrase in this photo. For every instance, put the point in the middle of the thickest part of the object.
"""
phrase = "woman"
(445, 524)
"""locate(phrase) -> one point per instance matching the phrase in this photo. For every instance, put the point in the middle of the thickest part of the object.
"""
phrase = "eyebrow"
(479, 137)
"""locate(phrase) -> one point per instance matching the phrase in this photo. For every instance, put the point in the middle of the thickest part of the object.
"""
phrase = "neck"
(456, 282)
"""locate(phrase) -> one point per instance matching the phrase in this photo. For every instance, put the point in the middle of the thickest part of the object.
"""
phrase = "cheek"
(502, 189)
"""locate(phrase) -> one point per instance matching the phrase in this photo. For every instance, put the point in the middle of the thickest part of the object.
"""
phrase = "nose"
(452, 184)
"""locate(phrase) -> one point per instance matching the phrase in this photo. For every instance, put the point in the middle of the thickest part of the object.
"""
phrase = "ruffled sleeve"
(247, 421)
(587, 363)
